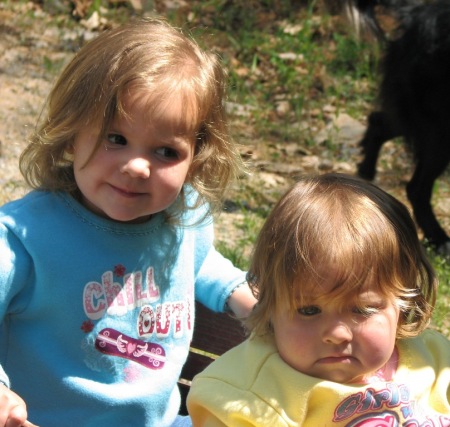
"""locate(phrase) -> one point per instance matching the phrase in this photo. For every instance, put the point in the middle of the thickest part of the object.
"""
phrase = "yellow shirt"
(251, 386)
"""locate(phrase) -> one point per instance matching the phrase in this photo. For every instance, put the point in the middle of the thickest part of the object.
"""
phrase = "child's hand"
(242, 301)
(13, 411)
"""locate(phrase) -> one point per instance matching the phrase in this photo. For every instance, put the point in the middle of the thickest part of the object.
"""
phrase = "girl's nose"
(337, 332)
(137, 168)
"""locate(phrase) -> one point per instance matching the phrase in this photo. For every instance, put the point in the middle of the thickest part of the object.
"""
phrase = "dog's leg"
(379, 130)
(419, 191)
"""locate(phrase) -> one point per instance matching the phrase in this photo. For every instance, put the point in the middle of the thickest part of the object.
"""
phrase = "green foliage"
(276, 52)
(52, 67)
(302, 59)
(352, 57)
(295, 58)
(441, 310)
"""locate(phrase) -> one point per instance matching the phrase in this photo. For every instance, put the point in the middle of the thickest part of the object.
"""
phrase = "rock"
(342, 129)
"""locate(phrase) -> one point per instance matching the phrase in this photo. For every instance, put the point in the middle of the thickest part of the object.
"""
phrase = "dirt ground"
(34, 46)
(24, 84)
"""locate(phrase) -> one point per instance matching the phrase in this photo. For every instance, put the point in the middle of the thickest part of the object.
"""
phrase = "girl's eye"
(167, 153)
(308, 310)
(114, 140)
(365, 311)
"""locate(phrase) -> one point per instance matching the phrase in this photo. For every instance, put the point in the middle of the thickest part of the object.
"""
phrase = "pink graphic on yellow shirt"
(389, 406)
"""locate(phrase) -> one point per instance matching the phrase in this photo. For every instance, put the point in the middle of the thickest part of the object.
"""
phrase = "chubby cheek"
(391, 325)
(86, 173)
(86, 156)
(378, 340)
(171, 179)
(293, 341)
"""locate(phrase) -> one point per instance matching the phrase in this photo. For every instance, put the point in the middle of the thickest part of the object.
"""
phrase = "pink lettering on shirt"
(109, 341)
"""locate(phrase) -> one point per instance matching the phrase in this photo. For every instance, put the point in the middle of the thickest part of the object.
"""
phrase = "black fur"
(362, 13)
(415, 104)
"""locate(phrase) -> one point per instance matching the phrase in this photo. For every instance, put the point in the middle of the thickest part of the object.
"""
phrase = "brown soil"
(33, 47)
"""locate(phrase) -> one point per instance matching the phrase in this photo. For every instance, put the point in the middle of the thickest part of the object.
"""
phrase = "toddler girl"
(338, 337)
(101, 263)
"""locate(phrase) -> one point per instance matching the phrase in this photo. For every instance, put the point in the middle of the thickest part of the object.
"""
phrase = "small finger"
(17, 416)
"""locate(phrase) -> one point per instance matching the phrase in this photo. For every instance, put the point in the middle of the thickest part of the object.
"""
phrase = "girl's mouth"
(126, 193)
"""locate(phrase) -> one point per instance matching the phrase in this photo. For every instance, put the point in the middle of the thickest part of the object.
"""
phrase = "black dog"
(363, 16)
(414, 103)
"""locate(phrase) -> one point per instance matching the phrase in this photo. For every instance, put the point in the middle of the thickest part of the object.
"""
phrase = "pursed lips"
(339, 358)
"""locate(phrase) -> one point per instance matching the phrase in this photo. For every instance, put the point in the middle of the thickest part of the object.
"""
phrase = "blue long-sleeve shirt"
(96, 315)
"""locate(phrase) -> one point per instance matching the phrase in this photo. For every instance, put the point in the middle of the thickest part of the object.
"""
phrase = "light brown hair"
(340, 220)
(164, 65)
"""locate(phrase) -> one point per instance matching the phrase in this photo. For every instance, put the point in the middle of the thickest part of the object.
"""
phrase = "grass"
(309, 61)
(441, 310)
(286, 53)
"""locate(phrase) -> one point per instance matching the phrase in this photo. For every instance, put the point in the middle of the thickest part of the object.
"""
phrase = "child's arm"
(241, 301)
(13, 411)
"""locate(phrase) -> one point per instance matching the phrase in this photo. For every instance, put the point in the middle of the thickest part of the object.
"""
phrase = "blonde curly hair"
(165, 65)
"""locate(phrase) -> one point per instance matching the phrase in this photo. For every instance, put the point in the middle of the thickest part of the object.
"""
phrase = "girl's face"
(140, 169)
(338, 341)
